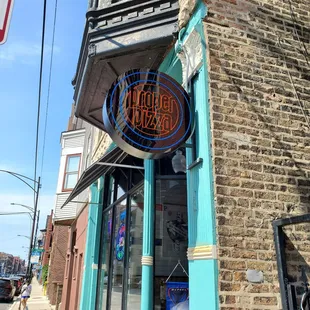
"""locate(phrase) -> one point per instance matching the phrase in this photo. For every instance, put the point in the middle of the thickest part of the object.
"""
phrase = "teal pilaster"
(202, 251)
(148, 236)
(89, 282)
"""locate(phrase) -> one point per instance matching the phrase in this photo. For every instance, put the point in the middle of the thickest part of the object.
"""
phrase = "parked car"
(18, 284)
(7, 289)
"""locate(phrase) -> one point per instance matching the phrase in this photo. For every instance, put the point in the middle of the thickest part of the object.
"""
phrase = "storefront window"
(118, 256)
(135, 251)
(105, 254)
(120, 276)
(111, 191)
(171, 241)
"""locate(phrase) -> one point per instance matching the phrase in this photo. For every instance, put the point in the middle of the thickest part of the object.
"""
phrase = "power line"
(39, 94)
(49, 86)
(302, 43)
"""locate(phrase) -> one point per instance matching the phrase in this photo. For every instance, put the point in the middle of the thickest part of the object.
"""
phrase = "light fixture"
(179, 162)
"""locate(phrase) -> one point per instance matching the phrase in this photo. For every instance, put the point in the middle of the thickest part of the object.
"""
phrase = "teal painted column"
(202, 251)
(148, 236)
(91, 256)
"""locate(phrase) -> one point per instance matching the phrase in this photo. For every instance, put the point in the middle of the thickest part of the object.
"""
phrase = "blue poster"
(177, 295)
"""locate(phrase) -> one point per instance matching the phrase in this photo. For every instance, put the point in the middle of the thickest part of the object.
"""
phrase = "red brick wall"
(47, 241)
(261, 145)
(74, 264)
(57, 261)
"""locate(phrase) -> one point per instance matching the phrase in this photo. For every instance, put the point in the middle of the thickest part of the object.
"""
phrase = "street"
(6, 305)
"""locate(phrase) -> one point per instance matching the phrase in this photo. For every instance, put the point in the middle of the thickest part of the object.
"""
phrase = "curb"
(14, 303)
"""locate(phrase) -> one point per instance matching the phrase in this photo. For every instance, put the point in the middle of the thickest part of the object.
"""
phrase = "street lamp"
(24, 206)
(24, 236)
(36, 189)
(38, 218)
(14, 213)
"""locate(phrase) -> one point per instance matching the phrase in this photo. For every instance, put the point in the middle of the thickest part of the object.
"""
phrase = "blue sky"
(19, 73)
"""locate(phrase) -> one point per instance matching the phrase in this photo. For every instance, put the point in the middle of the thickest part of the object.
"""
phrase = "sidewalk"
(37, 301)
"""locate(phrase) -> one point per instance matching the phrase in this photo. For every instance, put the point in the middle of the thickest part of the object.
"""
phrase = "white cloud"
(24, 52)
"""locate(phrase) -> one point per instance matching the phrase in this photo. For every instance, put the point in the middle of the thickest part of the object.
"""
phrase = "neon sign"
(147, 113)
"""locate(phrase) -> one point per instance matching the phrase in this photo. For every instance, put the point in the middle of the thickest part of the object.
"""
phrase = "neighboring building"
(77, 236)
(17, 261)
(245, 65)
(45, 245)
(47, 240)
(70, 221)
(7, 263)
(72, 143)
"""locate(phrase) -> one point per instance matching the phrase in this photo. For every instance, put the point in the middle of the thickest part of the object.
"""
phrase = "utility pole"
(36, 234)
(33, 227)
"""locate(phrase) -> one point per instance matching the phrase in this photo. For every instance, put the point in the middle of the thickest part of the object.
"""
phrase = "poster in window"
(175, 230)
(177, 296)
(120, 238)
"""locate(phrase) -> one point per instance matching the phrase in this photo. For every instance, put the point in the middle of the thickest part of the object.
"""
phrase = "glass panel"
(71, 180)
(73, 163)
(118, 255)
(120, 191)
(171, 232)
(122, 182)
(111, 190)
(105, 255)
(135, 251)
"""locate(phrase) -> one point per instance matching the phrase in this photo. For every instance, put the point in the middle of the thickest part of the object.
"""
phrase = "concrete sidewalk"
(36, 301)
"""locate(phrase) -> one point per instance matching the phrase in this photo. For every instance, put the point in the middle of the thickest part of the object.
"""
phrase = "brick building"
(74, 262)
(259, 100)
(48, 240)
(57, 264)
(68, 222)
(245, 64)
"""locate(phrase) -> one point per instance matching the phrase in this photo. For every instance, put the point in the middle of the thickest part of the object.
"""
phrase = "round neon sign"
(147, 113)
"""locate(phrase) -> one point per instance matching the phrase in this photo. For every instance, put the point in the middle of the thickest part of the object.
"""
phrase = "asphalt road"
(6, 305)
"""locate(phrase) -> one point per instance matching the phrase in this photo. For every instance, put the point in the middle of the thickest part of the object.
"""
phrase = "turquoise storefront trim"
(91, 258)
(203, 268)
(148, 236)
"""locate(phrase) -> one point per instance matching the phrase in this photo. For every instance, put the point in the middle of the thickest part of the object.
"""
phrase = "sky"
(19, 80)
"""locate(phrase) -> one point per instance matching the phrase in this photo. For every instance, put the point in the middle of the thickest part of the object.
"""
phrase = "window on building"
(71, 171)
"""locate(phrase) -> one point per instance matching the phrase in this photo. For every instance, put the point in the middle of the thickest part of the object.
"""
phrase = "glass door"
(135, 251)
(119, 286)
(118, 255)
(171, 241)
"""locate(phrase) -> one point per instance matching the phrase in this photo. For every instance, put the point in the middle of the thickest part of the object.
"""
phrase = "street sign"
(35, 253)
(6, 7)
(38, 250)
(34, 259)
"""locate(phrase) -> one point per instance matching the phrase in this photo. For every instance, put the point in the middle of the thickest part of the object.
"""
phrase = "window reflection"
(171, 232)
(135, 251)
(105, 254)
(118, 255)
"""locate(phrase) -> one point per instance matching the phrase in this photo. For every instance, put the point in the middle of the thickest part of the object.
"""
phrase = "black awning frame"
(104, 165)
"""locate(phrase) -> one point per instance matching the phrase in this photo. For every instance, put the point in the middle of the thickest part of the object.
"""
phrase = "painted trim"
(201, 209)
(148, 235)
(89, 282)
(202, 252)
(147, 260)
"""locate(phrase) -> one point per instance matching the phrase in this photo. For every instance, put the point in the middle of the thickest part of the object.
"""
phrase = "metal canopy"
(120, 36)
(95, 171)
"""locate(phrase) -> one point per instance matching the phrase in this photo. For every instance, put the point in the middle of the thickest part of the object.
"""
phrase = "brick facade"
(57, 261)
(258, 71)
(48, 239)
(74, 262)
